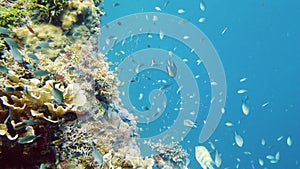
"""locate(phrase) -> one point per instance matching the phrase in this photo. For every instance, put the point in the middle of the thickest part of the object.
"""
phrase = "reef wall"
(59, 105)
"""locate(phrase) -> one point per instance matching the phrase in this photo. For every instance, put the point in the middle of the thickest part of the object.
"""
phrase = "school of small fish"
(203, 156)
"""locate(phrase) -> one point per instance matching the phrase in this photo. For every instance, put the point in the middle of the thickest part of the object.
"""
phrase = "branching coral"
(171, 154)
(111, 136)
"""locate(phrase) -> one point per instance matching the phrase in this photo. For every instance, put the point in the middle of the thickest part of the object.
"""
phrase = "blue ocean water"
(258, 40)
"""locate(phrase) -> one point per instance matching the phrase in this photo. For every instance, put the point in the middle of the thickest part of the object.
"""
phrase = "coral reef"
(169, 156)
(18, 12)
(59, 104)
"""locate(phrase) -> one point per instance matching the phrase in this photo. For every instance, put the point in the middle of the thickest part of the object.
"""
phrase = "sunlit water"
(256, 40)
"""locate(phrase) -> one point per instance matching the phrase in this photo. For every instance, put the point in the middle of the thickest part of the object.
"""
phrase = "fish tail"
(212, 165)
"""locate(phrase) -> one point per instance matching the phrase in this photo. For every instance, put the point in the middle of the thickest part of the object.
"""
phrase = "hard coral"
(59, 102)
(19, 12)
(81, 12)
(44, 34)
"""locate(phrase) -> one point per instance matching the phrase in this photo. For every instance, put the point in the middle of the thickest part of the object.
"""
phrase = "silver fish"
(202, 5)
(171, 68)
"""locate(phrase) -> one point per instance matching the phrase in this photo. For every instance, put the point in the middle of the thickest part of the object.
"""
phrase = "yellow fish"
(204, 158)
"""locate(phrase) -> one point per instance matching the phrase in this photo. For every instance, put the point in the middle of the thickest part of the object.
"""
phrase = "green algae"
(18, 13)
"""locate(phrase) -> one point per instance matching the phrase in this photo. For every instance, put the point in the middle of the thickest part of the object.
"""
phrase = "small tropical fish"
(247, 153)
(241, 91)
(202, 5)
(153, 63)
(110, 128)
(279, 138)
(33, 56)
(97, 155)
(59, 77)
(29, 122)
(58, 95)
(43, 44)
(157, 8)
(263, 142)
(57, 142)
(76, 155)
(180, 11)
(163, 87)
(186, 37)
(213, 83)
(43, 166)
(189, 123)
(273, 161)
(243, 79)
(29, 66)
(154, 18)
(199, 61)
(76, 34)
(27, 139)
(141, 96)
(17, 55)
(238, 140)
(245, 106)
(41, 72)
(161, 35)
(277, 156)
(289, 141)
(212, 146)
(228, 124)
(158, 158)
(270, 157)
(200, 20)
(11, 43)
(265, 104)
(224, 30)
(203, 157)
(179, 89)
(3, 69)
(145, 107)
(116, 4)
(138, 67)
(4, 31)
(218, 159)
(171, 68)
(30, 29)
(260, 162)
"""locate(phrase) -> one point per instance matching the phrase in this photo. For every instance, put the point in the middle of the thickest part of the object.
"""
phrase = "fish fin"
(212, 165)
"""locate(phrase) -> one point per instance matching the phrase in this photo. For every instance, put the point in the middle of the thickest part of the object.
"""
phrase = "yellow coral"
(43, 33)
(4, 131)
(68, 19)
